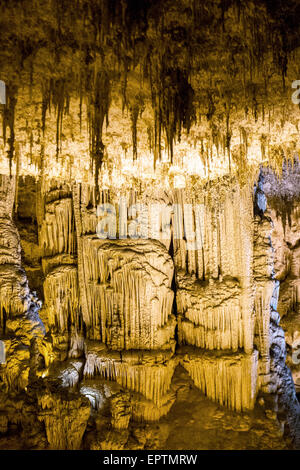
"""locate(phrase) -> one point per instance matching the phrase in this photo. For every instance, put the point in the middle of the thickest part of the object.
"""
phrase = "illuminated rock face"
(117, 336)
(128, 290)
(215, 295)
(173, 105)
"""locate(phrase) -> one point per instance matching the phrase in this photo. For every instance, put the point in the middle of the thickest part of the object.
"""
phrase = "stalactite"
(99, 106)
(8, 121)
(119, 37)
(134, 114)
(120, 279)
(46, 104)
(228, 131)
(18, 166)
(173, 101)
(214, 322)
(65, 419)
(214, 215)
(57, 234)
(61, 293)
(76, 193)
(146, 372)
(124, 86)
(7, 192)
(55, 93)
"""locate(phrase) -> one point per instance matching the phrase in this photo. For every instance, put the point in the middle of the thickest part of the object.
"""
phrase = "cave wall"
(282, 197)
(130, 311)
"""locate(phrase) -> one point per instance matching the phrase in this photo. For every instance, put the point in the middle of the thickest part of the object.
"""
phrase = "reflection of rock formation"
(116, 334)
(230, 379)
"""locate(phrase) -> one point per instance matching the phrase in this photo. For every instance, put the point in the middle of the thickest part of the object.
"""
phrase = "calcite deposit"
(149, 225)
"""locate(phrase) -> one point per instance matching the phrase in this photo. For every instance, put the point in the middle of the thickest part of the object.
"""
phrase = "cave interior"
(149, 224)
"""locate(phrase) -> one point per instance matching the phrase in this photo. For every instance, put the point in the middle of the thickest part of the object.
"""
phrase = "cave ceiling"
(179, 86)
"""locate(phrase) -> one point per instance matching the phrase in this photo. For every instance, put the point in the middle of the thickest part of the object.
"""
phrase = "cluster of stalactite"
(110, 314)
(282, 195)
(8, 121)
(84, 52)
(108, 296)
(91, 290)
(57, 236)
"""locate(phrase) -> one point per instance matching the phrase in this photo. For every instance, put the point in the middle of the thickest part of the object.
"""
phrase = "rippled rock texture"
(97, 361)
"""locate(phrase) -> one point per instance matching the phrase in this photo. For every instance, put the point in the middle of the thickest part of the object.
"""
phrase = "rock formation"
(149, 225)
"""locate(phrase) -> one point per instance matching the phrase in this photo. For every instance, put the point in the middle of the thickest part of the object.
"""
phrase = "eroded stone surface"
(108, 356)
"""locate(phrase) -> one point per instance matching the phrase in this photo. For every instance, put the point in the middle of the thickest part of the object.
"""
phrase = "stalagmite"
(14, 290)
(16, 373)
(120, 410)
